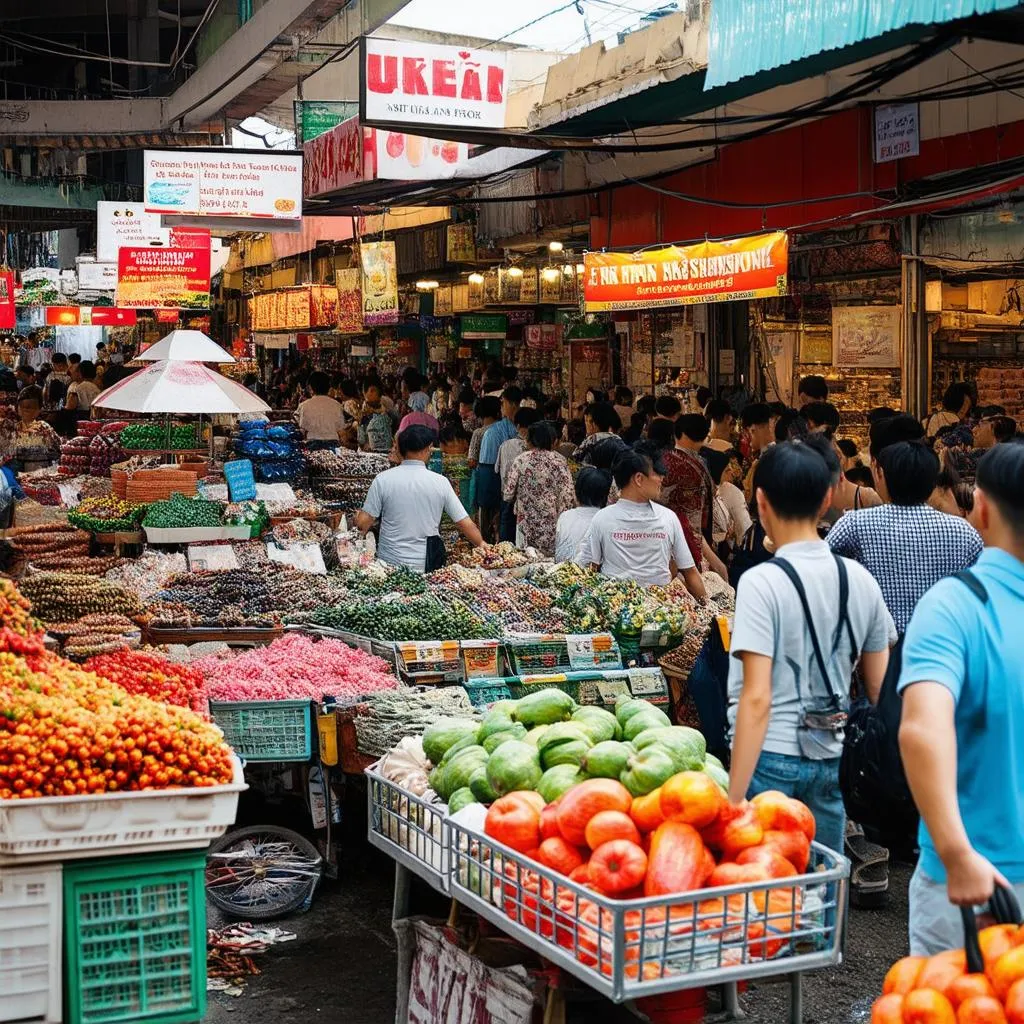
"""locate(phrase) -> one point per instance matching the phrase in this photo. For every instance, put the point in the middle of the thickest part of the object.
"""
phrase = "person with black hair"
(645, 404)
(539, 490)
(624, 403)
(688, 490)
(408, 502)
(467, 413)
(636, 538)
(573, 433)
(756, 420)
(601, 421)
(812, 388)
(488, 483)
(486, 410)
(994, 427)
(891, 430)
(963, 705)
(667, 407)
(822, 418)
(957, 403)
(803, 619)
(661, 433)
(510, 450)
(880, 412)
(28, 442)
(636, 428)
(321, 418)
(849, 453)
(592, 488)
(83, 391)
(453, 439)
(730, 519)
(723, 422)
(701, 397)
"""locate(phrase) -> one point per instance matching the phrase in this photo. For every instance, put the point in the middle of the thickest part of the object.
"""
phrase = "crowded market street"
(511, 514)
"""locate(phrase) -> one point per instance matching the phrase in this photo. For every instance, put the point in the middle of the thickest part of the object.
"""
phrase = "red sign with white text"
(109, 316)
(333, 160)
(170, 278)
(412, 83)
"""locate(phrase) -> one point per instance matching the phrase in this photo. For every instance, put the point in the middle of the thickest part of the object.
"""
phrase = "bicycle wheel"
(261, 872)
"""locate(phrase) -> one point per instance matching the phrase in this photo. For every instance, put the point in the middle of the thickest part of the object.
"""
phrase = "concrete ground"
(342, 966)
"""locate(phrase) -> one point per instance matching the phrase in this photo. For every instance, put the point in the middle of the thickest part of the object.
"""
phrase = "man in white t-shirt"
(408, 502)
(320, 417)
(84, 390)
(636, 538)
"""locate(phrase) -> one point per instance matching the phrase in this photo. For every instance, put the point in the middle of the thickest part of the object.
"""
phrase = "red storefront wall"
(829, 157)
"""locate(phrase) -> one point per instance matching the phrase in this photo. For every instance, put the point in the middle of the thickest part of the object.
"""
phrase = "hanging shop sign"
(509, 284)
(187, 237)
(350, 300)
(223, 183)
(125, 224)
(293, 309)
(528, 293)
(897, 131)
(166, 316)
(408, 82)
(743, 268)
(380, 283)
(8, 313)
(314, 117)
(543, 337)
(443, 301)
(460, 243)
(334, 160)
(62, 316)
(108, 316)
(96, 277)
(475, 293)
(551, 287)
(492, 287)
(518, 317)
(153, 277)
(477, 326)
(866, 336)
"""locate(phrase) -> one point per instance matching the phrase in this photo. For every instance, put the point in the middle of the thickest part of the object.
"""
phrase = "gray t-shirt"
(770, 621)
(409, 501)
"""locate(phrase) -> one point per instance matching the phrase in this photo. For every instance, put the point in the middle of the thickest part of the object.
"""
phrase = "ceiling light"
(476, 278)
(567, 269)
(426, 286)
(551, 274)
(515, 271)
(555, 246)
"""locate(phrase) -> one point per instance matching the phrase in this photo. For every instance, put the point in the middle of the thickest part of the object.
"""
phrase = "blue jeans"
(816, 783)
(507, 530)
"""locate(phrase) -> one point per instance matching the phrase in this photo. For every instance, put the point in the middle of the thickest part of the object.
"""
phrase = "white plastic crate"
(30, 944)
(56, 828)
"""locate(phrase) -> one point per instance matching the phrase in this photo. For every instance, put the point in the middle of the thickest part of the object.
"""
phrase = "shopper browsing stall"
(408, 502)
(539, 488)
(83, 391)
(723, 423)
(488, 484)
(320, 417)
(688, 490)
(28, 442)
(636, 538)
(592, 487)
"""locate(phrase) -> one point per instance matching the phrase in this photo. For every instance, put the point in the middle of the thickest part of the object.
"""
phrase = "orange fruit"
(902, 976)
(926, 1006)
(1015, 1003)
(888, 1009)
(981, 1010)
(966, 986)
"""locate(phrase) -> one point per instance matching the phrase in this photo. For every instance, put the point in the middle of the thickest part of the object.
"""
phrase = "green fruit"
(561, 732)
(545, 707)
(480, 787)
(687, 746)
(711, 759)
(460, 798)
(514, 765)
(647, 769)
(571, 752)
(466, 741)
(651, 718)
(504, 707)
(494, 721)
(459, 770)
(434, 779)
(516, 731)
(445, 733)
(536, 734)
(555, 781)
(607, 760)
(626, 707)
(718, 773)
(600, 725)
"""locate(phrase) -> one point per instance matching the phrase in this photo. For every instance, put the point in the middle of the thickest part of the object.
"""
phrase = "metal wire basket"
(627, 949)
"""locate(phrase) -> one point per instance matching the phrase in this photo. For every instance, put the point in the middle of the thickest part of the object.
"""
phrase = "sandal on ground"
(869, 872)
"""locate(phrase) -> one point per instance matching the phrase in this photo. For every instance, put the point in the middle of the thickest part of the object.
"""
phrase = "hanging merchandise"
(350, 300)
(293, 309)
(380, 283)
(460, 243)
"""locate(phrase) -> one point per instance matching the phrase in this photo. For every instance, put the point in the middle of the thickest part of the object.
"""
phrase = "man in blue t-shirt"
(962, 729)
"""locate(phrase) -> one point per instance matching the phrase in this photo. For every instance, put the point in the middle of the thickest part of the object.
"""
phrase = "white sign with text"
(897, 132)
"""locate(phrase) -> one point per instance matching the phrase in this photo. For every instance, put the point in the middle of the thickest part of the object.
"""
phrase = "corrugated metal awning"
(751, 36)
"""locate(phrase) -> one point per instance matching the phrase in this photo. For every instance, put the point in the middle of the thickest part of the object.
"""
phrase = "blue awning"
(750, 36)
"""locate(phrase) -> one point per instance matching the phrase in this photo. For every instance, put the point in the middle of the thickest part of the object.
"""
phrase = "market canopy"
(184, 346)
(175, 387)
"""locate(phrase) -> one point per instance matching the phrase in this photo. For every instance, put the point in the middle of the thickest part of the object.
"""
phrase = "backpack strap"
(973, 584)
(844, 608)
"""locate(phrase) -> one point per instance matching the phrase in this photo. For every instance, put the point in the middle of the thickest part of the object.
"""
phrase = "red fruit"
(769, 858)
(738, 874)
(549, 821)
(692, 797)
(1009, 968)
(676, 861)
(794, 846)
(580, 874)
(513, 822)
(558, 855)
(579, 804)
(926, 1006)
(775, 810)
(1015, 1003)
(981, 1010)
(888, 1009)
(605, 826)
(395, 145)
(942, 969)
(902, 976)
(618, 866)
(646, 811)
(966, 986)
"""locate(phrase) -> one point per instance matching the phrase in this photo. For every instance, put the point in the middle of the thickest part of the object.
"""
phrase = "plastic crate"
(30, 953)
(62, 828)
(537, 654)
(486, 691)
(266, 730)
(135, 940)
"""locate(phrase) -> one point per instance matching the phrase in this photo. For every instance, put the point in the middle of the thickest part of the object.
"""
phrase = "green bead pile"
(180, 513)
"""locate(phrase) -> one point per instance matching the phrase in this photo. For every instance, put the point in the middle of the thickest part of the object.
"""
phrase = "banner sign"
(483, 325)
(108, 316)
(225, 183)
(350, 300)
(407, 82)
(314, 117)
(333, 160)
(380, 283)
(119, 224)
(8, 315)
(743, 268)
(96, 277)
(169, 278)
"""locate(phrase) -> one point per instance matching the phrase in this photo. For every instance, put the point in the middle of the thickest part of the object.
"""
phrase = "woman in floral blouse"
(26, 440)
(541, 489)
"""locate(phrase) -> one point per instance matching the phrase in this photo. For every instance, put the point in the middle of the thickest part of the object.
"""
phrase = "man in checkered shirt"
(907, 545)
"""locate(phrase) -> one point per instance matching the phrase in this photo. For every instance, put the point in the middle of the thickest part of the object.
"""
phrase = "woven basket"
(149, 485)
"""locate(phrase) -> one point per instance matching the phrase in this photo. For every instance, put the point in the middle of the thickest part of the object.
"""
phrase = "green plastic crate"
(135, 939)
(482, 692)
(547, 654)
(266, 730)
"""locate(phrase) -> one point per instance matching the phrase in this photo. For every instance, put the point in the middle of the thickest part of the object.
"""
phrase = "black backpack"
(871, 775)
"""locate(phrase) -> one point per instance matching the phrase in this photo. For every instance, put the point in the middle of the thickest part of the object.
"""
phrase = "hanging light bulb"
(426, 286)
(555, 246)
(476, 278)
(515, 271)
(567, 269)
(551, 273)
(579, 268)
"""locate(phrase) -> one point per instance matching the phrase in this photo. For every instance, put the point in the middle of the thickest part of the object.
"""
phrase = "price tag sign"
(647, 682)
(653, 636)
(610, 689)
(593, 651)
(241, 482)
(439, 657)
